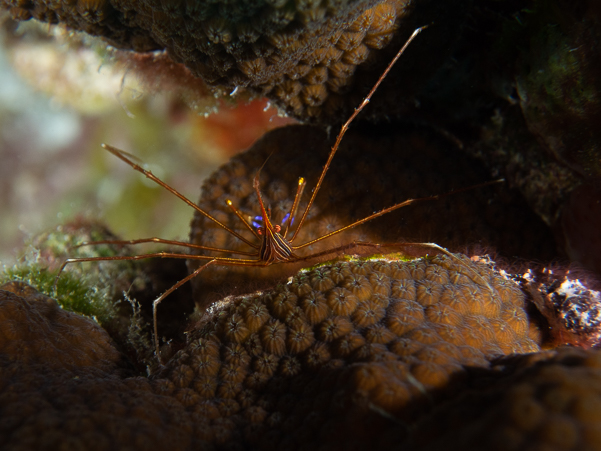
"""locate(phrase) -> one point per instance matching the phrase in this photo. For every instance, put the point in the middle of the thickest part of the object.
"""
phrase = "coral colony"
(353, 353)
(420, 350)
(303, 53)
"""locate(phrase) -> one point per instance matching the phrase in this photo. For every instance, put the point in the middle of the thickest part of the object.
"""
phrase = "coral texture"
(569, 303)
(337, 357)
(349, 344)
(60, 386)
(302, 54)
(35, 329)
(304, 50)
(373, 169)
(46, 409)
(549, 400)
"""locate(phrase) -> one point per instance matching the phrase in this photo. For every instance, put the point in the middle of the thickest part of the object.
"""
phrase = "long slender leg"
(361, 221)
(392, 208)
(345, 128)
(158, 300)
(299, 192)
(213, 260)
(439, 249)
(163, 241)
(224, 260)
(230, 204)
(343, 248)
(123, 156)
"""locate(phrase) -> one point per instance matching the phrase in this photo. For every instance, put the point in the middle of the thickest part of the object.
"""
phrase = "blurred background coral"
(59, 100)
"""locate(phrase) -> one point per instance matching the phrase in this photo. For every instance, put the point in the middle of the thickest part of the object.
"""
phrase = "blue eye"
(257, 222)
(286, 219)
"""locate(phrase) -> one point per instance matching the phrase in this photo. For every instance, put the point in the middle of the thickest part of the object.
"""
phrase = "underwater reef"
(376, 167)
(515, 84)
(412, 348)
(378, 353)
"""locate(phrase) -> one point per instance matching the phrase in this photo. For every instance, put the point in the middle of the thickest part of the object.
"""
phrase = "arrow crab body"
(272, 242)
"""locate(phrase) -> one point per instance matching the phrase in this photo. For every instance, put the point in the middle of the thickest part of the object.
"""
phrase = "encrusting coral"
(302, 54)
(347, 345)
(339, 355)
(61, 385)
(373, 169)
(373, 353)
(29, 318)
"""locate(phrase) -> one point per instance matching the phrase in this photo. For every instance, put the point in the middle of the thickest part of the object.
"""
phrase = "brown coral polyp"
(257, 45)
(341, 384)
(358, 339)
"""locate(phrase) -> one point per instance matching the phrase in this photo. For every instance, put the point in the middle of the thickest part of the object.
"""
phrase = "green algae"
(350, 258)
(84, 289)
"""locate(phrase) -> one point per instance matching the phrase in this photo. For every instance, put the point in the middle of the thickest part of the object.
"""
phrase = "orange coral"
(371, 171)
(359, 350)
(257, 373)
